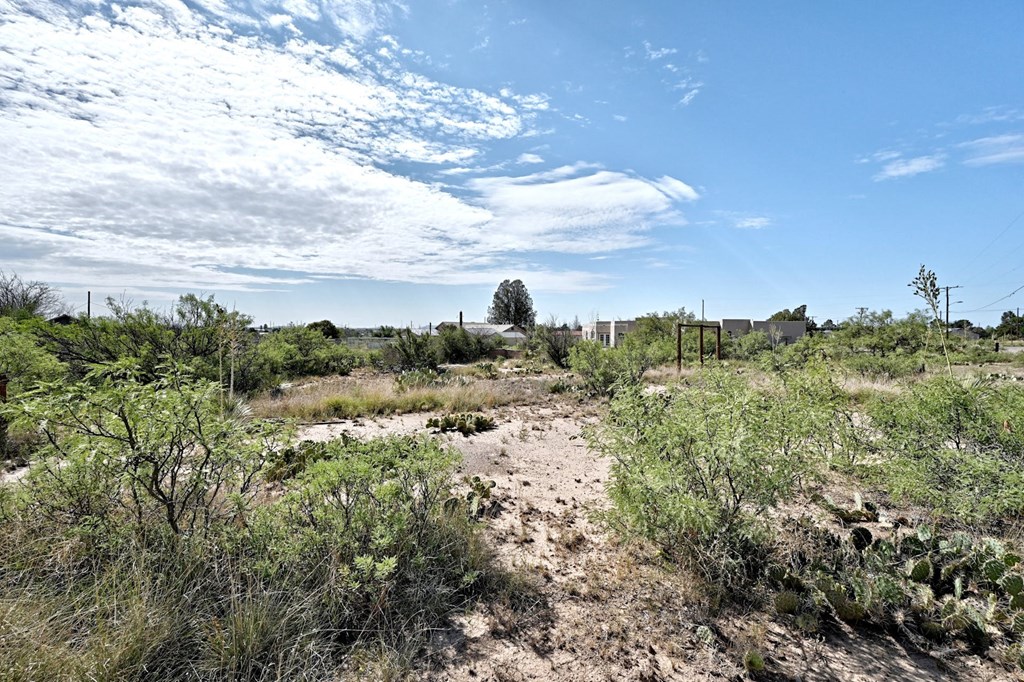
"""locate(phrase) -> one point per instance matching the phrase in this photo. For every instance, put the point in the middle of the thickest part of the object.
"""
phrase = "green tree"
(1011, 324)
(19, 298)
(512, 305)
(325, 327)
(798, 314)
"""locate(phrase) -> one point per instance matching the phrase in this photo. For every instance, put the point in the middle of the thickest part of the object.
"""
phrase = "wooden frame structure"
(702, 327)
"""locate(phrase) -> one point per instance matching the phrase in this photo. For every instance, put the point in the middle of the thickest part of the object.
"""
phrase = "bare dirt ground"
(605, 611)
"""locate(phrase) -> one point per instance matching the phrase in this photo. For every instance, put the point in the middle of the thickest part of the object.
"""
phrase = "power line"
(1009, 295)
(994, 240)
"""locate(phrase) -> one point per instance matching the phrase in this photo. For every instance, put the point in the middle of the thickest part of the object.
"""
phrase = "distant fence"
(367, 342)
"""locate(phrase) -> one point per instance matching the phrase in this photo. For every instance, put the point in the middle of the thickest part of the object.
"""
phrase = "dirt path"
(602, 612)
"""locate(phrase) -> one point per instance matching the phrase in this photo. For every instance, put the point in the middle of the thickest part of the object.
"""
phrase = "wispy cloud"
(987, 151)
(752, 223)
(529, 158)
(1000, 114)
(905, 168)
(655, 53)
(674, 76)
(576, 209)
(741, 220)
(167, 147)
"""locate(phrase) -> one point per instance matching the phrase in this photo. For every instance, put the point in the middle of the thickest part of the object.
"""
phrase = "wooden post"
(679, 347)
(718, 343)
(3, 422)
(702, 345)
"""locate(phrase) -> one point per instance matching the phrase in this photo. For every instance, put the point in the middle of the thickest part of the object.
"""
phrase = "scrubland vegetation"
(167, 523)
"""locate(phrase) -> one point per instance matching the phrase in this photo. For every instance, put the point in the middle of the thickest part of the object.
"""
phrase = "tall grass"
(369, 396)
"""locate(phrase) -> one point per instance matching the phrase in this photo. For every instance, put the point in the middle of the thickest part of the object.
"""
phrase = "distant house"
(609, 333)
(736, 328)
(510, 332)
(63, 319)
(778, 332)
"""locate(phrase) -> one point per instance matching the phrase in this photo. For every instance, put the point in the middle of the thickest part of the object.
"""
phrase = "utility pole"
(947, 305)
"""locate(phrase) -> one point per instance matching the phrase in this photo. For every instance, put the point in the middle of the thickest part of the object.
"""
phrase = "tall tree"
(19, 298)
(798, 314)
(512, 305)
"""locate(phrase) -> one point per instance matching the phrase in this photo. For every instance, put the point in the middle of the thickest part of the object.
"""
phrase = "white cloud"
(676, 189)
(620, 118)
(904, 168)
(689, 97)
(987, 151)
(742, 220)
(147, 148)
(752, 223)
(576, 209)
(654, 53)
(1001, 114)
(529, 158)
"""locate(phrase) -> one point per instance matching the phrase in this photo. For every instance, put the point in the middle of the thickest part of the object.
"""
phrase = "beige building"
(609, 333)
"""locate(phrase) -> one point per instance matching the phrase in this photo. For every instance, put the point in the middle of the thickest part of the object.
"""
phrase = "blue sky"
(384, 162)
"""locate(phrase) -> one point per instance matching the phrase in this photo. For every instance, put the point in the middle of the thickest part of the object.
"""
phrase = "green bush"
(410, 351)
(893, 366)
(138, 549)
(606, 370)
(747, 347)
(125, 456)
(454, 345)
(954, 445)
(302, 351)
(696, 469)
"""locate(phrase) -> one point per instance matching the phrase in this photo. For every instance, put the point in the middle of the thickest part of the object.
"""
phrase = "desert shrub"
(954, 445)
(695, 469)
(554, 342)
(893, 366)
(302, 351)
(291, 460)
(975, 353)
(924, 586)
(124, 455)
(466, 423)
(605, 370)
(24, 359)
(26, 365)
(112, 569)
(456, 345)
(747, 347)
(421, 378)
(410, 351)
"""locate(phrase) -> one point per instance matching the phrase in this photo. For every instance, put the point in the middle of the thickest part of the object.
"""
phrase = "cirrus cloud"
(152, 145)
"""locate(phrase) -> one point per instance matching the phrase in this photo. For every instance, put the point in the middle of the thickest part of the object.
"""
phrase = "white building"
(609, 333)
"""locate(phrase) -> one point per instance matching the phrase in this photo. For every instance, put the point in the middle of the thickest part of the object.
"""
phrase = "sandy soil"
(603, 612)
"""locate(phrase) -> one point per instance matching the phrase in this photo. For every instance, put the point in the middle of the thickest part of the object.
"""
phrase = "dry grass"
(369, 395)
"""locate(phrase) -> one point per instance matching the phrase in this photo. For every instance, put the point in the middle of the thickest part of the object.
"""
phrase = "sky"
(392, 162)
